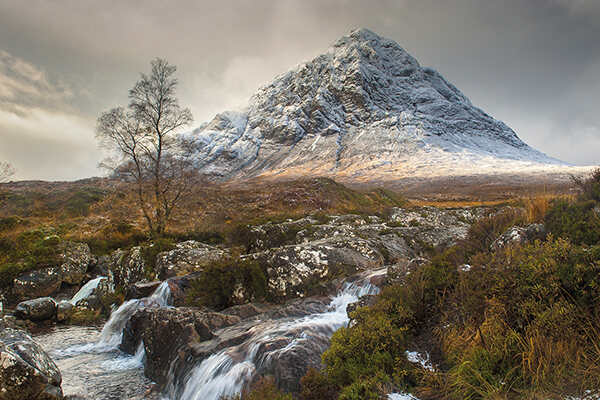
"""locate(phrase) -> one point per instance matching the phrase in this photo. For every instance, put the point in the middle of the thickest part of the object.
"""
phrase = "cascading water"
(86, 290)
(226, 372)
(113, 329)
(90, 361)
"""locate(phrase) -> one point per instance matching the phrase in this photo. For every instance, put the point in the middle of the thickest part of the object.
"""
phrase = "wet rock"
(186, 257)
(40, 309)
(166, 331)
(141, 289)
(64, 310)
(127, 267)
(76, 259)
(26, 371)
(43, 282)
(519, 235)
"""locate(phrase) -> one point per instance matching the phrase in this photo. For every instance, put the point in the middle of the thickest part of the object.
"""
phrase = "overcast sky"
(535, 64)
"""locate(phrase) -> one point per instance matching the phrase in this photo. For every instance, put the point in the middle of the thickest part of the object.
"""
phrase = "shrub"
(576, 221)
(264, 389)
(217, 285)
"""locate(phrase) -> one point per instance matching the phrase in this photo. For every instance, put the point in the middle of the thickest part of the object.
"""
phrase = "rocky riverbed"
(315, 268)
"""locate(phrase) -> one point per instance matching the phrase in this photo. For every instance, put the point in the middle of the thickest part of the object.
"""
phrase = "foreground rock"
(26, 371)
(40, 309)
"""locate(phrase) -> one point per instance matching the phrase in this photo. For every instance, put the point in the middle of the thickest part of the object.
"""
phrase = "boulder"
(127, 267)
(167, 332)
(39, 309)
(76, 259)
(301, 270)
(43, 282)
(64, 310)
(186, 257)
(26, 371)
(519, 235)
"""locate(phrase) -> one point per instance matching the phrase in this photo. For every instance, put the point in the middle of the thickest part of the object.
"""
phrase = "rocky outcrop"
(26, 371)
(300, 270)
(519, 235)
(40, 309)
(187, 257)
(43, 282)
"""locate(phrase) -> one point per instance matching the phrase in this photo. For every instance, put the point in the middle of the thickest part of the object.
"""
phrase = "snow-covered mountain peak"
(365, 110)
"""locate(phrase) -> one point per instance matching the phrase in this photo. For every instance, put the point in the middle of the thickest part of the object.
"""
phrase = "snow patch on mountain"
(363, 111)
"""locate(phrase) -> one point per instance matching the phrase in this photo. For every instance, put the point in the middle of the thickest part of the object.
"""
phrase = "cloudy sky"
(535, 64)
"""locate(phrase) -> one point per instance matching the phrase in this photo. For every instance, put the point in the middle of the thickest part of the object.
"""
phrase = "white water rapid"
(226, 372)
(86, 290)
(113, 329)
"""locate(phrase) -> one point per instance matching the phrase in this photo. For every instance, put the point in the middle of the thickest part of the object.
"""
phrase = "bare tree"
(148, 150)
(6, 171)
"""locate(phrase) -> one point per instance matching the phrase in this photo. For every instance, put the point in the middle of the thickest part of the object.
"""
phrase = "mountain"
(365, 111)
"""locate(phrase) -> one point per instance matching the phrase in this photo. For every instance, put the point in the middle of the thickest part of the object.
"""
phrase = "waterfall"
(86, 290)
(226, 372)
(112, 331)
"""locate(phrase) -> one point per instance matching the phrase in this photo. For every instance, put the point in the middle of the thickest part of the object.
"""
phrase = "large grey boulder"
(300, 270)
(76, 259)
(43, 282)
(186, 257)
(39, 309)
(26, 371)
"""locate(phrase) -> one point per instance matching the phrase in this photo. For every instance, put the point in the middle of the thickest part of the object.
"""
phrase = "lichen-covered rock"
(519, 235)
(39, 309)
(298, 270)
(269, 235)
(186, 257)
(26, 371)
(127, 267)
(76, 259)
(43, 282)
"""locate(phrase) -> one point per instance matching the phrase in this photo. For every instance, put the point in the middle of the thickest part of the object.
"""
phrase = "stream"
(94, 368)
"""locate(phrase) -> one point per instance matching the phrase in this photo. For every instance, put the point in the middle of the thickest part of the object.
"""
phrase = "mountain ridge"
(363, 111)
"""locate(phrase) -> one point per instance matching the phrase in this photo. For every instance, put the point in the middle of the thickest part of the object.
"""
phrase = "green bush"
(576, 221)
(216, 287)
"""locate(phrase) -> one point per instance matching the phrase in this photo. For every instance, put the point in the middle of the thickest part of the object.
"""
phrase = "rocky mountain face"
(365, 111)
